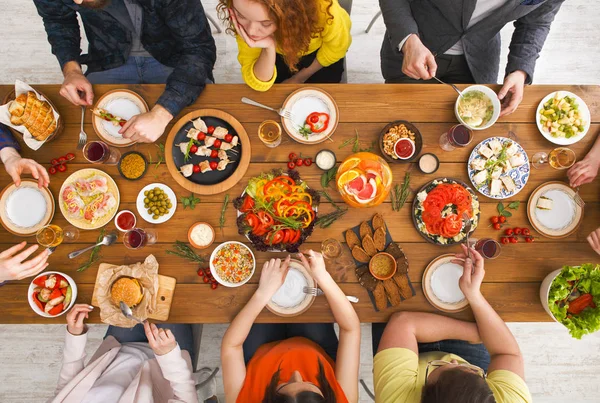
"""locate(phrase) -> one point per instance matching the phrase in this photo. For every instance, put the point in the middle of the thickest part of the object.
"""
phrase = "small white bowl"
(32, 286)
(214, 271)
(545, 291)
(414, 146)
(495, 102)
(117, 218)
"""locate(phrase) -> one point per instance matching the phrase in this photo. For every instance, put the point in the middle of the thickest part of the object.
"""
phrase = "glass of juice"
(269, 132)
(98, 152)
(487, 247)
(456, 136)
(562, 158)
(364, 180)
(50, 236)
(137, 238)
(331, 248)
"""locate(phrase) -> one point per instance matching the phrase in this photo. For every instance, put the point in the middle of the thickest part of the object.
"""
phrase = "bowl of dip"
(290, 299)
(404, 148)
(429, 163)
(125, 220)
(201, 235)
(325, 159)
(382, 266)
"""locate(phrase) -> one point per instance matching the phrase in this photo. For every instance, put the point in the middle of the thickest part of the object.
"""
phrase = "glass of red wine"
(487, 247)
(456, 136)
(98, 152)
(137, 238)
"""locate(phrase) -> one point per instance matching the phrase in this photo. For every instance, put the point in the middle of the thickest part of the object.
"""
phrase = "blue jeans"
(322, 334)
(182, 333)
(137, 70)
(475, 354)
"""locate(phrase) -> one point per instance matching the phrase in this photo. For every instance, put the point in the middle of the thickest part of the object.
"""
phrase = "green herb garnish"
(328, 176)
(503, 211)
(185, 252)
(190, 201)
(355, 141)
(400, 194)
(222, 219)
(95, 255)
(326, 220)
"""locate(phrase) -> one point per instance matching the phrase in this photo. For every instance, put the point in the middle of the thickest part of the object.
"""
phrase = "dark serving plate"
(418, 141)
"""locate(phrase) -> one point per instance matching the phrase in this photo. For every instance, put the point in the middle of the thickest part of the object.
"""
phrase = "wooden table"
(511, 283)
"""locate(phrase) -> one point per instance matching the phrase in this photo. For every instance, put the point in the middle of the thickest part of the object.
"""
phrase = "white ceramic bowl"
(32, 286)
(495, 102)
(214, 271)
(117, 218)
(585, 115)
(545, 291)
(414, 148)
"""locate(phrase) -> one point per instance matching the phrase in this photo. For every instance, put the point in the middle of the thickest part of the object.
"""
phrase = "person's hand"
(511, 93)
(147, 127)
(76, 88)
(419, 63)
(315, 264)
(594, 240)
(473, 273)
(14, 267)
(272, 276)
(161, 341)
(265, 43)
(583, 171)
(295, 79)
(16, 166)
(75, 318)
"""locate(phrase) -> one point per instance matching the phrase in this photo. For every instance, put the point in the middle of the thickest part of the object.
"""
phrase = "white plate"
(290, 299)
(302, 103)
(26, 209)
(123, 103)
(142, 211)
(585, 115)
(565, 216)
(123, 107)
(32, 287)
(440, 284)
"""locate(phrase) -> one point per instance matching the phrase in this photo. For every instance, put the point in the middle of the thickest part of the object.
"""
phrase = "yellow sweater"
(331, 45)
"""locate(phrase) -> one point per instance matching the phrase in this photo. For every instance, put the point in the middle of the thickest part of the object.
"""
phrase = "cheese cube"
(509, 183)
(480, 177)
(486, 151)
(495, 187)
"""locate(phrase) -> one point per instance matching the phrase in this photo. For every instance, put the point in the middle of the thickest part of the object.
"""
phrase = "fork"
(467, 221)
(318, 292)
(82, 134)
(577, 199)
(281, 112)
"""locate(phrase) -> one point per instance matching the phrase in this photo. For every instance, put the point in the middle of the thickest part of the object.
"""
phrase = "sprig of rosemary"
(95, 255)
(400, 194)
(185, 252)
(223, 209)
(326, 220)
(355, 141)
(160, 156)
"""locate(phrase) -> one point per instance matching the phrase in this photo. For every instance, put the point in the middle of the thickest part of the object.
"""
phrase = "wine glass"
(137, 238)
(52, 235)
(539, 160)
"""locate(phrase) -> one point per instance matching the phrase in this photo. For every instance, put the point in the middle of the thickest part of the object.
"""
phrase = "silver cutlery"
(467, 220)
(82, 134)
(281, 112)
(451, 85)
(318, 292)
(107, 240)
(128, 313)
(577, 199)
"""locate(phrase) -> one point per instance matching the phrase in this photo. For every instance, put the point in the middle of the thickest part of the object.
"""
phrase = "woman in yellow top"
(291, 41)
(430, 358)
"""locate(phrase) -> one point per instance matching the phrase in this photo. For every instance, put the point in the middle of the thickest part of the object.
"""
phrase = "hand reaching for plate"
(272, 277)
(315, 264)
(473, 273)
(147, 127)
(13, 265)
(16, 166)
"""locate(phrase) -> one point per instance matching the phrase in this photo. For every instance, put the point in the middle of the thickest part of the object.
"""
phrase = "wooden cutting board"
(166, 289)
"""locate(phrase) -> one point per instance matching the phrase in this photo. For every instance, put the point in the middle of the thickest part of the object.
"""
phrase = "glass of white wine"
(52, 235)
(559, 158)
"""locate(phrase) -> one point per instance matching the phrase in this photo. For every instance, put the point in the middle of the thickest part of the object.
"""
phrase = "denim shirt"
(174, 32)
(7, 139)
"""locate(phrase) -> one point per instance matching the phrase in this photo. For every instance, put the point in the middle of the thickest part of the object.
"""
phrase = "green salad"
(574, 299)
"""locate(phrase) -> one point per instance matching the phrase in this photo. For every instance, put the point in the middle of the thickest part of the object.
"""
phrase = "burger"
(127, 289)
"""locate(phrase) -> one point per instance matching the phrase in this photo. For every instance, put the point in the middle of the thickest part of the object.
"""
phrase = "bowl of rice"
(232, 264)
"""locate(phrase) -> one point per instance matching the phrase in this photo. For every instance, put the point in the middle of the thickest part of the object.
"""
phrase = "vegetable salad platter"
(277, 211)
(438, 209)
(498, 168)
(207, 151)
(563, 118)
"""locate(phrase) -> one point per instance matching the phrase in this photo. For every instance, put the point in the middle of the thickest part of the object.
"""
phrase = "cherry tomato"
(122, 123)
(70, 156)
(54, 161)
(497, 226)
(314, 118)
(214, 154)
(502, 219)
(508, 231)
(214, 286)
(210, 129)
(291, 165)
(518, 231)
(505, 240)
(307, 162)
(526, 232)
(299, 162)
(217, 143)
(206, 279)
(62, 159)
(514, 239)
(200, 272)
(529, 239)
(193, 149)
(292, 157)
(52, 170)
(196, 168)
(61, 168)
(494, 220)
(201, 136)
(228, 138)
(213, 165)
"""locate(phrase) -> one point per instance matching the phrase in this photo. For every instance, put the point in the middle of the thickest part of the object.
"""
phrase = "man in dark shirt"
(133, 42)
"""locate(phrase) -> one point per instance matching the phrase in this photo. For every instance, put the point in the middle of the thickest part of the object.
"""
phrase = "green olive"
(156, 189)
(146, 200)
(146, 193)
(149, 211)
(155, 217)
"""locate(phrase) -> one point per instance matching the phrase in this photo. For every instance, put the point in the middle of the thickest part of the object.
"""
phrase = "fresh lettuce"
(253, 183)
(587, 278)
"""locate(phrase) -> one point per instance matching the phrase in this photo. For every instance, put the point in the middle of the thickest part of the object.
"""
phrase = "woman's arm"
(232, 353)
(348, 354)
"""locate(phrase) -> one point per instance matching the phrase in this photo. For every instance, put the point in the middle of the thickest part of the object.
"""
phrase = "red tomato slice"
(247, 204)
(55, 294)
(452, 226)
(56, 310)
(288, 234)
(252, 220)
(37, 301)
(40, 281)
(296, 237)
(276, 238)
(431, 215)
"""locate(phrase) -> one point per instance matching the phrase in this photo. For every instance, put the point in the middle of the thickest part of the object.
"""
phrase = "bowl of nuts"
(390, 137)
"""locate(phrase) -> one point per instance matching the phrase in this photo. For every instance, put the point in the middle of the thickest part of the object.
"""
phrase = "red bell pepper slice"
(578, 305)
(317, 121)
(56, 310)
(37, 301)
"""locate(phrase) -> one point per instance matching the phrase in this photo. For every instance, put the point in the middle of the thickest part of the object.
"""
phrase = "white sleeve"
(73, 359)
(402, 42)
(176, 370)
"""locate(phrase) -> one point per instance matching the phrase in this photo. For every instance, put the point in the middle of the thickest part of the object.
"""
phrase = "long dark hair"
(458, 386)
(272, 396)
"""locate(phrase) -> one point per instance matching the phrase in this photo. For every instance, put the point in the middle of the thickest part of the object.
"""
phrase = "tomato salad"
(52, 294)
(277, 211)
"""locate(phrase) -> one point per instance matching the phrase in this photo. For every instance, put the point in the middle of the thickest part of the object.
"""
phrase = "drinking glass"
(456, 136)
(137, 238)
(50, 236)
(487, 247)
(98, 152)
(559, 158)
(331, 248)
(269, 133)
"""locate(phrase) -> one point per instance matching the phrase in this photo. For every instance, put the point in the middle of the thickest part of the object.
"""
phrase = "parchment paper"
(146, 273)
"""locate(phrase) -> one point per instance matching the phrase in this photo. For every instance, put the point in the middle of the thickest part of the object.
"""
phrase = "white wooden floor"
(558, 368)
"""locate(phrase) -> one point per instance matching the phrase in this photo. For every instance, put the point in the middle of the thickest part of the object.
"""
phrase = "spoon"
(452, 85)
(107, 240)
(128, 313)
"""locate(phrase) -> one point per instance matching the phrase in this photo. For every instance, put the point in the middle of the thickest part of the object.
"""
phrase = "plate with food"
(207, 151)
(290, 299)
(478, 107)
(26, 209)
(232, 264)
(552, 210)
(400, 141)
(51, 294)
(89, 198)
(277, 211)
(111, 113)
(498, 167)
(156, 203)
(438, 210)
(440, 284)
(563, 118)
(315, 115)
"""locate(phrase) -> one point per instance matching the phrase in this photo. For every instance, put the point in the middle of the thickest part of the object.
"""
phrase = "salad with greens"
(574, 299)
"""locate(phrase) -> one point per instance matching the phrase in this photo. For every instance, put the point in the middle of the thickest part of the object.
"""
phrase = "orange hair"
(296, 20)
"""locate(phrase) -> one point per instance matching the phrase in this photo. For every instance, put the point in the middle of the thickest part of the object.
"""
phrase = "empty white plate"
(564, 217)
(440, 284)
(26, 209)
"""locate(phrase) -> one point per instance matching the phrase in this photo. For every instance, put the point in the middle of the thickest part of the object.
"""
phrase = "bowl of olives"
(156, 203)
